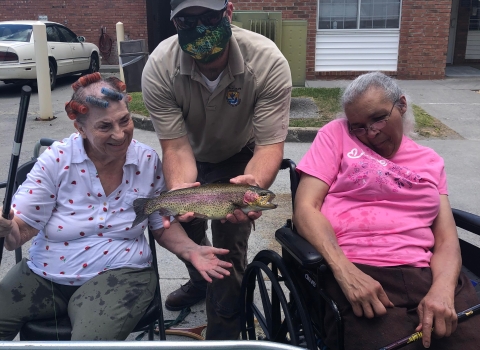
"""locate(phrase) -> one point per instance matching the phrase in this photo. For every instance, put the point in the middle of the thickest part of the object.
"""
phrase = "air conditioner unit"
(269, 24)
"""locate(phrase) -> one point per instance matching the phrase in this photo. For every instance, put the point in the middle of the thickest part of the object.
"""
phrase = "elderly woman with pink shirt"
(375, 204)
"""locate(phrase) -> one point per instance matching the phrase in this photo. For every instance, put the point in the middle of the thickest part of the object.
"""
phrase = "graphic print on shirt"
(385, 172)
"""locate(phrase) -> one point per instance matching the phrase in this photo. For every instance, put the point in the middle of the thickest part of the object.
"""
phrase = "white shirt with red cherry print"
(83, 232)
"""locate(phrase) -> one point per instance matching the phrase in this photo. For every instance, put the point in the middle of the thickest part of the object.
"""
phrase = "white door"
(453, 31)
(61, 51)
(79, 54)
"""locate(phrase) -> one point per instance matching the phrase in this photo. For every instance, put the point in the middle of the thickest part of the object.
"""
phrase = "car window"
(53, 34)
(68, 35)
(15, 32)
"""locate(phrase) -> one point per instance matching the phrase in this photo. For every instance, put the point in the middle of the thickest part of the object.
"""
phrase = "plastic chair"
(61, 329)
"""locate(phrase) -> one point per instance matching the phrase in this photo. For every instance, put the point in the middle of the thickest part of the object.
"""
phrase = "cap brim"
(209, 4)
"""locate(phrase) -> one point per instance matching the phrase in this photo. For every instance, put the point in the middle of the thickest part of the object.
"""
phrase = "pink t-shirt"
(381, 209)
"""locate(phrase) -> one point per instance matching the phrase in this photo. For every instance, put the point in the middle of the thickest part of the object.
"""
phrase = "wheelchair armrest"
(298, 247)
(467, 221)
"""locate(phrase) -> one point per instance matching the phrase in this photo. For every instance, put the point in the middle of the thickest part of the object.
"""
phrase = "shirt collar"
(80, 155)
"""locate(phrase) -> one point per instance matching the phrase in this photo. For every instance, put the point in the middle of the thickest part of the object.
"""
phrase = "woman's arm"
(365, 294)
(15, 231)
(437, 308)
(202, 257)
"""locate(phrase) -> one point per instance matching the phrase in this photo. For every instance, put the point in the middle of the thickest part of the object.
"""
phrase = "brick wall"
(85, 17)
(424, 33)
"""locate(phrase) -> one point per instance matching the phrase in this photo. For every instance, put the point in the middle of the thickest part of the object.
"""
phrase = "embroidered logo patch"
(233, 97)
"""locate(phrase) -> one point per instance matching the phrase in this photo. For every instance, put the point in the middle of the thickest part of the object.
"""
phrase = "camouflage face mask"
(205, 43)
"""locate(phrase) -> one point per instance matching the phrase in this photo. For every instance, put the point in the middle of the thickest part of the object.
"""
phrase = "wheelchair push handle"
(17, 145)
(463, 315)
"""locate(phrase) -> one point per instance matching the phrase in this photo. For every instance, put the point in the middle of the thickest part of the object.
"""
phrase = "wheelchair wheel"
(267, 314)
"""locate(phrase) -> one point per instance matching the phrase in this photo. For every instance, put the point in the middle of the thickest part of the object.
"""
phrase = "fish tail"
(139, 207)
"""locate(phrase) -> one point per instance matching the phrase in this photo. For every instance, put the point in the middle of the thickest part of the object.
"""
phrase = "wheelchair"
(60, 329)
(283, 296)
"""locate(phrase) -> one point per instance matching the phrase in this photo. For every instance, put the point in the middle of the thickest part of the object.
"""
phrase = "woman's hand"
(437, 313)
(6, 225)
(205, 260)
(187, 217)
(239, 216)
(365, 294)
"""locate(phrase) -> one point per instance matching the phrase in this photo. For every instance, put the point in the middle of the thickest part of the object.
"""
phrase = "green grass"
(328, 103)
(423, 119)
(326, 99)
(426, 125)
(136, 105)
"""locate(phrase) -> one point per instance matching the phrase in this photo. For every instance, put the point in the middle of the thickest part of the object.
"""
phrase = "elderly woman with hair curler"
(374, 203)
(77, 205)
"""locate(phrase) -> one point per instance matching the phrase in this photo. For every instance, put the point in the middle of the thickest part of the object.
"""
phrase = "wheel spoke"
(267, 306)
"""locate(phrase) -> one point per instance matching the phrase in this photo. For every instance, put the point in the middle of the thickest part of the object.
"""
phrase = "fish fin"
(139, 207)
(200, 216)
(166, 212)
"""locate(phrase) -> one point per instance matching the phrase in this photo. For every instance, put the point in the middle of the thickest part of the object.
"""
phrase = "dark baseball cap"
(179, 5)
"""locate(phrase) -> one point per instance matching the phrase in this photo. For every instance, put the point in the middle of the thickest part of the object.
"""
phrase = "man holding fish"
(219, 99)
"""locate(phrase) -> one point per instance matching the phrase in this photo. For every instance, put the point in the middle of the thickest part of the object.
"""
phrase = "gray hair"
(389, 86)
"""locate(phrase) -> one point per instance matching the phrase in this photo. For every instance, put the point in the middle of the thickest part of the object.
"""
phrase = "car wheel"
(53, 75)
(93, 64)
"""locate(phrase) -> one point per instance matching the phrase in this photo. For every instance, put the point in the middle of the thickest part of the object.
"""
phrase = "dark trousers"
(222, 304)
(405, 286)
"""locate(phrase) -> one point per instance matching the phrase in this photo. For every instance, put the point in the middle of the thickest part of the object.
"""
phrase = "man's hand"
(365, 294)
(204, 259)
(437, 313)
(187, 217)
(239, 216)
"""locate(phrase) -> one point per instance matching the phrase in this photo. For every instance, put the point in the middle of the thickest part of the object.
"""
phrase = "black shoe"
(185, 296)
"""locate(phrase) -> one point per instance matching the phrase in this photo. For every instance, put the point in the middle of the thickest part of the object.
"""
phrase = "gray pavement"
(452, 101)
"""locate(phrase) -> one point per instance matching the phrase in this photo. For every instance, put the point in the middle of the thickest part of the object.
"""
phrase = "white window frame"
(358, 20)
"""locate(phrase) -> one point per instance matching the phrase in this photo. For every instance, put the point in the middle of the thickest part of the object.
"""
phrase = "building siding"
(356, 50)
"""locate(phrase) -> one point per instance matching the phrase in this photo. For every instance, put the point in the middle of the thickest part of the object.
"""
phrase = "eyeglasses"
(210, 18)
(378, 125)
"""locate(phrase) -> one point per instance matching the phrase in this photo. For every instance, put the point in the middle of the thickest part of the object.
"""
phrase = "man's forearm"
(265, 164)
(178, 163)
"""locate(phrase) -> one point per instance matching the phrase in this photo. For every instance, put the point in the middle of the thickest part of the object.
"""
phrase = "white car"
(67, 52)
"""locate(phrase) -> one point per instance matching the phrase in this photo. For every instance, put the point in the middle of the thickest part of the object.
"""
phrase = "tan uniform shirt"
(250, 103)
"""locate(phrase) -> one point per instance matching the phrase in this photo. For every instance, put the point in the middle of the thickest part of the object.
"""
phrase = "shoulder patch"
(233, 96)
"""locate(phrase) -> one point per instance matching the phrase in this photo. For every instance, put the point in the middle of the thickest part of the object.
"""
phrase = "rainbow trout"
(210, 201)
